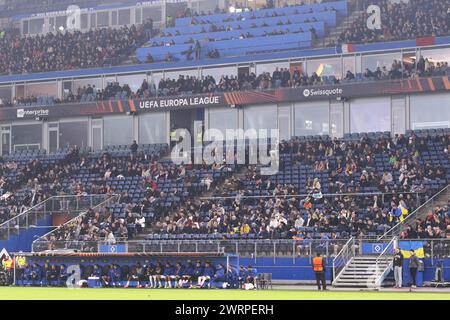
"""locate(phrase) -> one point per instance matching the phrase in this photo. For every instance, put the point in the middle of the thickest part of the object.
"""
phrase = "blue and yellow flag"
(406, 246)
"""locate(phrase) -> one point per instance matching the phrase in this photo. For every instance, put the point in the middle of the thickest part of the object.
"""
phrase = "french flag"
(345, 48)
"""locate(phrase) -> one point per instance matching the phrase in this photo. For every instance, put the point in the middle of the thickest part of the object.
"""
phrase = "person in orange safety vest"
(318, 265)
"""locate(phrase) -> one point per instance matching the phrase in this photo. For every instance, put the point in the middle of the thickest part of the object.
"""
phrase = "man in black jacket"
(398, 266)
(413, 266)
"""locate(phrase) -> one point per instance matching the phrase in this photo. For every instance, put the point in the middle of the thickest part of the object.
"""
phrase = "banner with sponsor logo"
(241, 98)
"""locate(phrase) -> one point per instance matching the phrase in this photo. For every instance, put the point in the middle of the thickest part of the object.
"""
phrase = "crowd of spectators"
(68, 50)
(401, 20)
(286, 211)
(279, 78)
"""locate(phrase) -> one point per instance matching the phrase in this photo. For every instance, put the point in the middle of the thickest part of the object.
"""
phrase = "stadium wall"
(25, 238)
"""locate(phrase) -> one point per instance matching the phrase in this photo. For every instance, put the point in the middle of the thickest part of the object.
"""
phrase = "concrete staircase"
(364, 272)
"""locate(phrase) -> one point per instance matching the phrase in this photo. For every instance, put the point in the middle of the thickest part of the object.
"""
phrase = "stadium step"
(362, 272)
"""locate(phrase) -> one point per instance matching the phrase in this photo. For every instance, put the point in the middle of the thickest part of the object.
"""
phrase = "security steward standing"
(318, 265)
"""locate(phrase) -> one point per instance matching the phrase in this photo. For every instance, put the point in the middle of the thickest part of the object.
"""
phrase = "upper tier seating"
(244, 33)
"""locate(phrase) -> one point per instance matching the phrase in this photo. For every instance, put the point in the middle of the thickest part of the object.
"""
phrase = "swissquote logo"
(322, 92)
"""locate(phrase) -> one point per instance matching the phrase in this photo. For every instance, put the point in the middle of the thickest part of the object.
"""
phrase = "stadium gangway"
(69, 204)
(343, 258)
(102, 200)
(439, 198)
(385, 259)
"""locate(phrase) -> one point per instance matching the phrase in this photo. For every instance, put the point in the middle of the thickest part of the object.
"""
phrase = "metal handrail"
(382, 257)
(41, 203)
(115, 196)
(408, 218)
(349, 243)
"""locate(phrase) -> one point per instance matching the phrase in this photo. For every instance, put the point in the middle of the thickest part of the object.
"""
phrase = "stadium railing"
(101, 202)
(335, 249)
(71, 205)
(438, 199)
(344, 257)
(385, 257)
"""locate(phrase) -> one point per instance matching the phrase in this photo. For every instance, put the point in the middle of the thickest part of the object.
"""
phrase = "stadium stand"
(331, 194)
(367, 177)
(280, 78)
(69, 50)
(401, 20)
(245, 33)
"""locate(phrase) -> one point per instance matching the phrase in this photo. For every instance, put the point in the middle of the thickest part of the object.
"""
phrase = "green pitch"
(13, 293)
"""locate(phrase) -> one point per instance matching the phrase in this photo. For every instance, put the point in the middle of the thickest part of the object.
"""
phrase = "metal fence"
(433, 248)
(439, 199)
(69, 205)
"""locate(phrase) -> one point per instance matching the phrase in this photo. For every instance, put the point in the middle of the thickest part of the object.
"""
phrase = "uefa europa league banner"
(347, 90)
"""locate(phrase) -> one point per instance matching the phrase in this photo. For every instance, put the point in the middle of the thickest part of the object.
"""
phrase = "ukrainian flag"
(406, 246)
(404, 212)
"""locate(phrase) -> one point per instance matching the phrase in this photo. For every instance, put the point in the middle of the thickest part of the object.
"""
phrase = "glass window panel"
(152, 128)
(114, 125)
(223, 119)
(437, 55)
(102, 19)
(138, 15)
(312, 119)
(348, 65)
(176, 74)
(153, 13)
(270, 67)
(5, 94)
(124, 17)
(36, 26)
(337, 119)
(363, 111)
(41, 89)
(217, 73)
(84, 21)
(155, 78)
(114, 18)
(29, 134)
(97, 82)
(61, 22)
(134, 81)
(93, 21)
(325, 67)
(73, 134)
(25, 27)
(430, 111)
(260, 117)
(379, 61)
